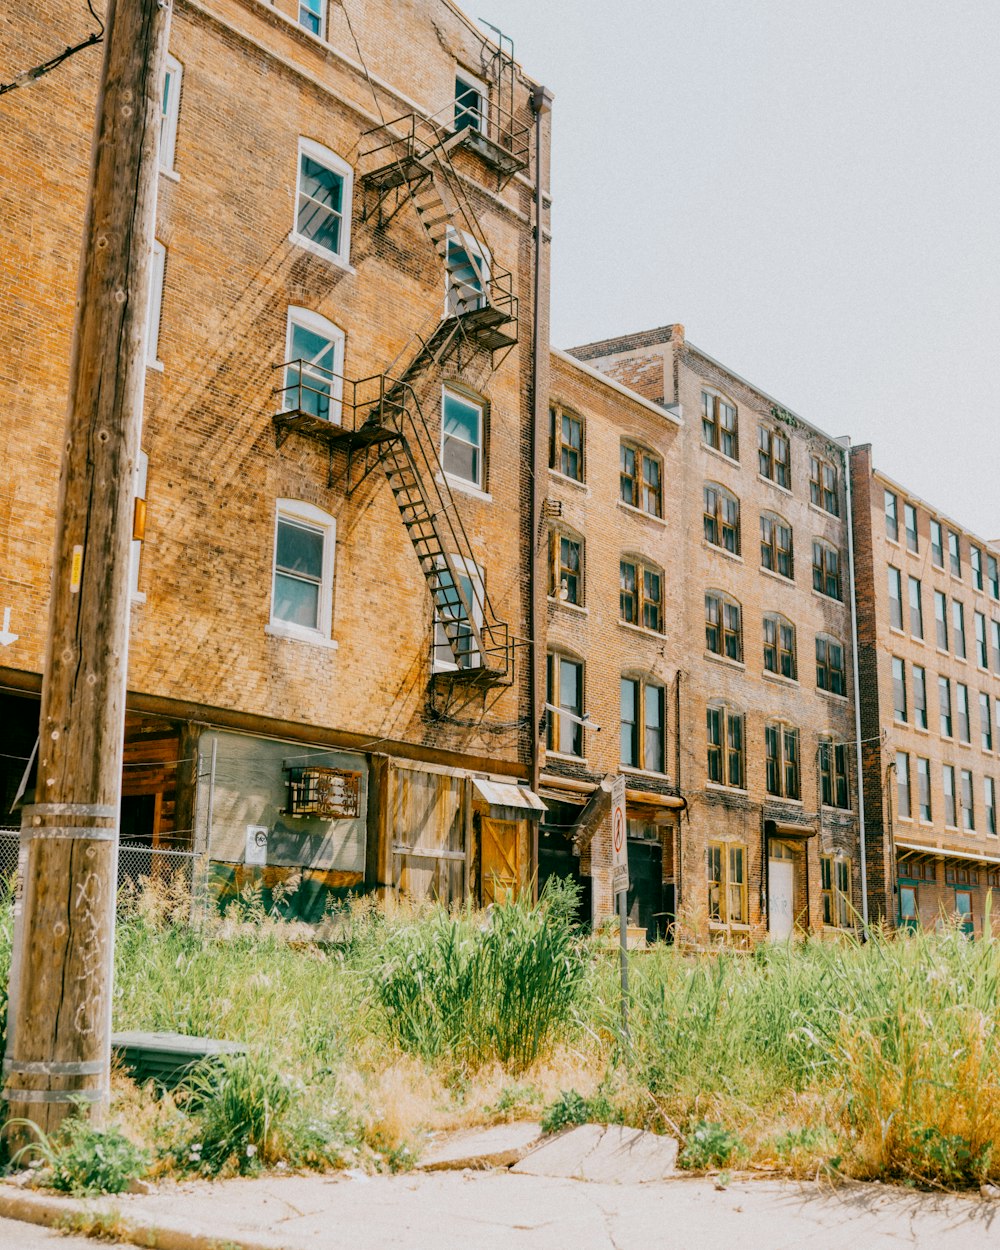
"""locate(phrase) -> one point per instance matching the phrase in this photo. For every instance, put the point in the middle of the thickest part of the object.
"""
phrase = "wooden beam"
(597, 809)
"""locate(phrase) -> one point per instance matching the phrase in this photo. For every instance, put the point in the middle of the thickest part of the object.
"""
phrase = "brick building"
(325, 671)
(717, 588)
(929, 660)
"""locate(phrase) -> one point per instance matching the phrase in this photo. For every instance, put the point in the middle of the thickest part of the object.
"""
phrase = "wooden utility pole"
(59, 1017)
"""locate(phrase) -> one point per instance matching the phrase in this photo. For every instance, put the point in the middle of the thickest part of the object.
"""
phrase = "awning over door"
(788, 832)
(508, 801)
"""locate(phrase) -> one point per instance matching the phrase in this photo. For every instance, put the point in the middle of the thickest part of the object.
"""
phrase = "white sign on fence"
(256, 852)
(619, 837)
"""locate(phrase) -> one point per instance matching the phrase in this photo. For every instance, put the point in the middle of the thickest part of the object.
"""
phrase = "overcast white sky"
(812, 189)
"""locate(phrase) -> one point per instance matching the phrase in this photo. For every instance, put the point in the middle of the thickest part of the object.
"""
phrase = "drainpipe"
(541, 104)
(845, 443)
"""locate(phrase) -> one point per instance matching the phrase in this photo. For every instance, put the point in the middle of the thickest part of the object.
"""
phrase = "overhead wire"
(29, 76)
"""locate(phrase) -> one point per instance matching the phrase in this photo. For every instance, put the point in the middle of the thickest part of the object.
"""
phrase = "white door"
(780, 876)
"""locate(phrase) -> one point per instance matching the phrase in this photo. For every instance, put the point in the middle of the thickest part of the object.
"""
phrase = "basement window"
(323, 202)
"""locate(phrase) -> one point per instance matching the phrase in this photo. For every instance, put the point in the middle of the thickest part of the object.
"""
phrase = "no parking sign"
(619, 837)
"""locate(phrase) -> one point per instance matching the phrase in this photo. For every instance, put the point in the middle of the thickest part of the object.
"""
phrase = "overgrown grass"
(873, 1061)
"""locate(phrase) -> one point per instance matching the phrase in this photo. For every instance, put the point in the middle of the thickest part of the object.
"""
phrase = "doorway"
(780, 891)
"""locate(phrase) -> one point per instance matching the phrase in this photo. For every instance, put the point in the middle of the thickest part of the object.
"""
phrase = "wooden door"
(500, 859)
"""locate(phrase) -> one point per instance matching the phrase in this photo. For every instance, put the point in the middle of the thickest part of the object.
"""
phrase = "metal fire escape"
(378, 421)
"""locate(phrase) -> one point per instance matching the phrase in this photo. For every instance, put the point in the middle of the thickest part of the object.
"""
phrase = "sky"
(811, 189)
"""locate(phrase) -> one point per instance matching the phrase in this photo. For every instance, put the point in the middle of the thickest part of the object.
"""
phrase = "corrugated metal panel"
(503, 794)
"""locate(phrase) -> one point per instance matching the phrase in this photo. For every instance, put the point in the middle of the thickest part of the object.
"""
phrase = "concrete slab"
(608, 1154)
(496, 1147)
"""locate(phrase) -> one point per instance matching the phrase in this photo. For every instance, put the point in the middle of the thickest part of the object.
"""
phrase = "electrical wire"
(32, 75)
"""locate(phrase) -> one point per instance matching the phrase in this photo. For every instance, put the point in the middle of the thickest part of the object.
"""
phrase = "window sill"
(785, 490)
(724, 659)
(893, 542)
(943, 651)
(642, 629)
(641, 772)
(778, 577)
(842, 811)
(895, 629)
(640, 512)
(569, 759)
(308, 245)
(780, 798)
(920, 729)
(829, 694)
(829, 598)
(155, 364)
(291, 634)
(579, 609)
(780, 678)
(830, 516)
(172, 174)
(137, 597)
(916, 554)
(569, 481)
(722, 551)
(464, 487)
(721, 455)
(724, 789)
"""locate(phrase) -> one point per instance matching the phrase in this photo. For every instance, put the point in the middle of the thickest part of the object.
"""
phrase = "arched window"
(725, 738)
(722, 518)
(566, 551)
(723, 625)
(826, 569)
(302, 573)
(643, 724)
(823, 485)
(781, 751)
(323, 202)
(776, 545)
(641, 478)
(779, 646)
(641, 593)
(833, 775)
(774, 456)
(718, 424)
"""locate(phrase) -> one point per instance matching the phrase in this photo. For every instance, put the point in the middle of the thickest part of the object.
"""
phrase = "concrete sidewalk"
(504, 1211)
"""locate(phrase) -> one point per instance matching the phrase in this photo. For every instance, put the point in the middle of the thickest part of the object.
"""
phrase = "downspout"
(541, 103)
(677, 779)
(859, 763)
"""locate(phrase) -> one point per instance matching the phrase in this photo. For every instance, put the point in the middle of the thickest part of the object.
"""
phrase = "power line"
(31, 75)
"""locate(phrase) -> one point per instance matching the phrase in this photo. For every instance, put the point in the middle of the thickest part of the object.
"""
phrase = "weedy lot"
(875, 1061)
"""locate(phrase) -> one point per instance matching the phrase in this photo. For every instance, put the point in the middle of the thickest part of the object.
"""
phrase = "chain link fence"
(139, 867)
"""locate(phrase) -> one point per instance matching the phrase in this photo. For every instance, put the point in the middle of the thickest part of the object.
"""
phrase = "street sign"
(619, 837)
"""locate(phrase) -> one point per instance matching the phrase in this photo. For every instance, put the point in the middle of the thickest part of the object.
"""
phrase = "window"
(566, 568)
(995, 644)
(462, 437)
(779, 646)
(891, 516)
(138, 526)
(835, 881)
(903, 784)
(641, 594)
(909, 917)
(948, 786)
(323, 201)
(899, 689)
(565, 690)
(962, 699)
(157, 269)
(723, 625)
(919, 697)
(982, 651)
(916, 608)
(833, 773)
(718, 424)
(725, 736)
(910, 522)
(937, 545)
(776, 545)
(924, 787)
(643, 710)
(454, 637)
(958, 627)
(722, 518)
(968, 803)
(960, 874)
(941, 620)
(985, 722)
(467, 273)
(727, 884)
(976, 560)
(990, 804)
(826, 569)
(566, 443)
(302, 582)
(781, 750)
(471, 102)
(944, 699)
(913, 869)
(314, 376)
(993, 576)
(895, 598)
(830, 675)
(823, 485)
(774, 456)
(169, 113)
(312, 16)
(641, 480)
(954, 554)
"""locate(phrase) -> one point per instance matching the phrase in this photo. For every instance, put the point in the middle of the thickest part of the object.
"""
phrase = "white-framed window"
(138, 526)
(302, 571)
(472, 101)
(467, 273)
(314, 375)
(312, 16)
(452, 617)
(323, 189)
(462, 422)
(169, 112)
(157, 269)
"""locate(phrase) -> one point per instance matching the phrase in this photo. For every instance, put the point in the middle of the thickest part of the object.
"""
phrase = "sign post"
(619, 883)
